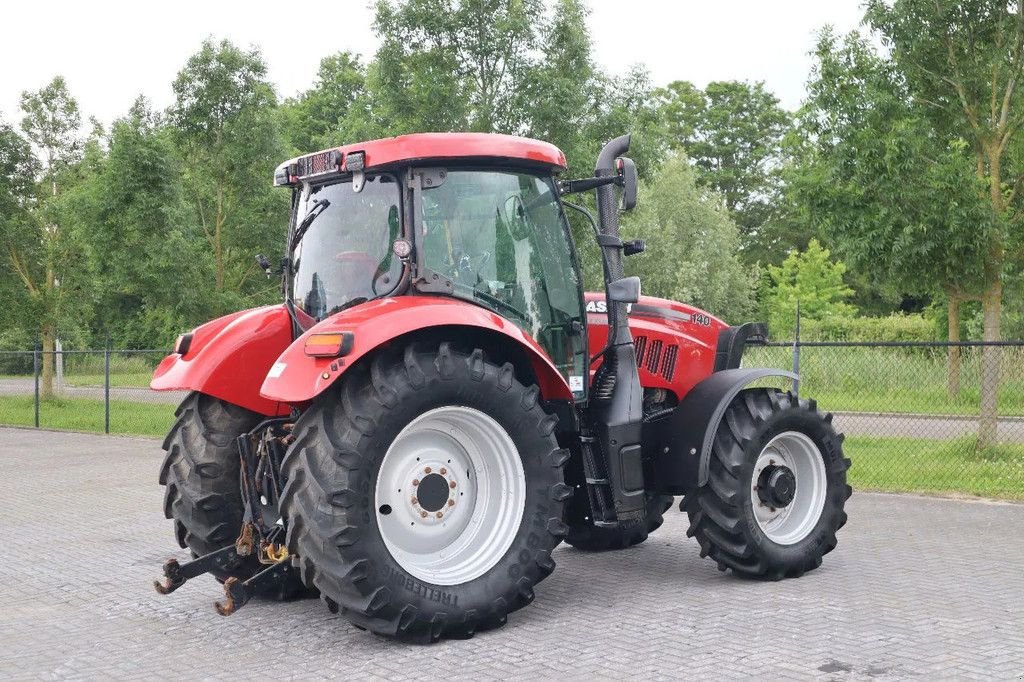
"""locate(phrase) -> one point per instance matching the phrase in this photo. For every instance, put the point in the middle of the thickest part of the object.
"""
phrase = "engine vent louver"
(668, 365)
(654, 356)
(640, 343)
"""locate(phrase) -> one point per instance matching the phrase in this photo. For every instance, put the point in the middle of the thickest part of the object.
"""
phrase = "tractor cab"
(489, 231)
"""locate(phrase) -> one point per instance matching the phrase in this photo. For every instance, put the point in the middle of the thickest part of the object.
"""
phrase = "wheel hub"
(776, 486)
(789, 486)
(450, 495)
(435, 493)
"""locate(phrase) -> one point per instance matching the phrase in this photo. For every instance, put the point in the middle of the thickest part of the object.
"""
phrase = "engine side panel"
(229, 357)
(675, 343)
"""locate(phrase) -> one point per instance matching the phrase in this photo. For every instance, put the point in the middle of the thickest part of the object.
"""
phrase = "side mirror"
(627, 176)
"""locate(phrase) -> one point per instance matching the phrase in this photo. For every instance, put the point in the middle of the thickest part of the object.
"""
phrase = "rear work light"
(181, 345)
(329, 344)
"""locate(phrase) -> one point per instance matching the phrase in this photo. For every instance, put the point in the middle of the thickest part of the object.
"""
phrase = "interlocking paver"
(918, 587)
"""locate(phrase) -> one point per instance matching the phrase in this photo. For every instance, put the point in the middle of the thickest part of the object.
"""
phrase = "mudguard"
(229, 357)
(297, 378)
(679, 445)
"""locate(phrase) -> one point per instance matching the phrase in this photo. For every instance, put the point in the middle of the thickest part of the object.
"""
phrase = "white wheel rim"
(789, 524)
(457, 539)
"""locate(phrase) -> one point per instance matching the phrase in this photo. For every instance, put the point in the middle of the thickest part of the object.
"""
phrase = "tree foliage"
(812, 280)
(691, 244)
(733, 132)
(225, 130)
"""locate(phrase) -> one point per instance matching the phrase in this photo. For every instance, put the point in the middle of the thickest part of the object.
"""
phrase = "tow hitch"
(260, 453)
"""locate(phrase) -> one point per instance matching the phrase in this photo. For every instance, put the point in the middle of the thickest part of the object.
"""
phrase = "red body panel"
(297, 378)
(675, 342)
(427, 146)
(229, 357)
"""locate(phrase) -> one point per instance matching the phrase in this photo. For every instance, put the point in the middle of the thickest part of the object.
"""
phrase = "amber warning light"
(329, 344)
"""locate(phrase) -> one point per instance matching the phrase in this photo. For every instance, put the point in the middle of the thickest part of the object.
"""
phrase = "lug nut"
(439, 514)
(443, 471)
(451, 503)
(427, 470)
(452, 484)
(415, 481)
(423, 514)
(415, 501)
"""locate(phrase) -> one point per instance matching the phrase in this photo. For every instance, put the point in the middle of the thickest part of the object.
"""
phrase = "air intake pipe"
(618, 406)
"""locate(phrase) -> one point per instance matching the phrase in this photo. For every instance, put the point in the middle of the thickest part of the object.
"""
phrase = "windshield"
(345, 256)
(502, 239)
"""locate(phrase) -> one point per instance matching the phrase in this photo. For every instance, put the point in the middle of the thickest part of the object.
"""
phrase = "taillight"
(329, 344)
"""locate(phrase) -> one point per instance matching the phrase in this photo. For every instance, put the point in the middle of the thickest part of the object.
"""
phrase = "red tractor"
(437, 404)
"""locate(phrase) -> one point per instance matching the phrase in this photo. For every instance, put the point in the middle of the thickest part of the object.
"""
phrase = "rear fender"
(297, 378)
(679, 446)
(229, 357)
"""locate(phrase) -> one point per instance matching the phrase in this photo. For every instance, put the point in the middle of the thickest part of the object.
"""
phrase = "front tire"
(379, 529)
(776, 488)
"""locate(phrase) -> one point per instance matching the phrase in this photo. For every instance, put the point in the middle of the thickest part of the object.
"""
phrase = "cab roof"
(417, 147)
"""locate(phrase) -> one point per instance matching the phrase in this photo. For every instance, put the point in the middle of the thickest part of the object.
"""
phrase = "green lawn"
(894, 379)
(123, 380)
(935, 466)
(84, 414)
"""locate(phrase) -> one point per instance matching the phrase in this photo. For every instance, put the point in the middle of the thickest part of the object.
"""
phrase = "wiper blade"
(319, 206)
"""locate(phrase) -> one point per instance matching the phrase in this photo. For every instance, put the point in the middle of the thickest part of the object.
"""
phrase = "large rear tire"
(202, 491)
(776, 488)
(371, 501)
(590, 538)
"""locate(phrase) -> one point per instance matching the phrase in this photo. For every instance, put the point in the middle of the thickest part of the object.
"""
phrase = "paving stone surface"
(918, 588)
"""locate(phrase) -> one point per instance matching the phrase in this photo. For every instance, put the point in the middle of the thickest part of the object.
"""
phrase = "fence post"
(796, 352)
(106, 387)
(35, 379)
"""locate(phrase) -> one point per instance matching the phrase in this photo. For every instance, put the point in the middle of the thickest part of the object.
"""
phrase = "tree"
(19, 244)
(962, 62)
(227, 137)
(733, 132)
(39, 251)
(130, 216)
(455, 64)
(336, 110)
(898, 198)
(691, 244)
(811, 280)
(561, 90)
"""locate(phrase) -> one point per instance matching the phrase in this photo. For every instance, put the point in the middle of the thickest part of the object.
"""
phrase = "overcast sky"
(110, 52)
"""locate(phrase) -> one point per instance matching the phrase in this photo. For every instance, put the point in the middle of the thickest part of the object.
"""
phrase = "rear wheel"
(588, 537)
(776, 488)
(202, 491)
(425, 494)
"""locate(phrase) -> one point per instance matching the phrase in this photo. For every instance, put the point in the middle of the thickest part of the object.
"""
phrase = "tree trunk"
(953, 359)
(990, 359)
(46, 382)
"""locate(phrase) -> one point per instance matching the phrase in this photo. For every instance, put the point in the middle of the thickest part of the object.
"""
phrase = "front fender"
(681, 443)
(297, 378)
(229, 357)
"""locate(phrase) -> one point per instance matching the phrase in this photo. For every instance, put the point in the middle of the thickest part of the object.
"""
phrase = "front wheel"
(776, 488)
(425, 495)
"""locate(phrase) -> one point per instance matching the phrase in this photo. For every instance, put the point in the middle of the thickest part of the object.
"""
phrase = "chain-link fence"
(927, 417)
(105, 391)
